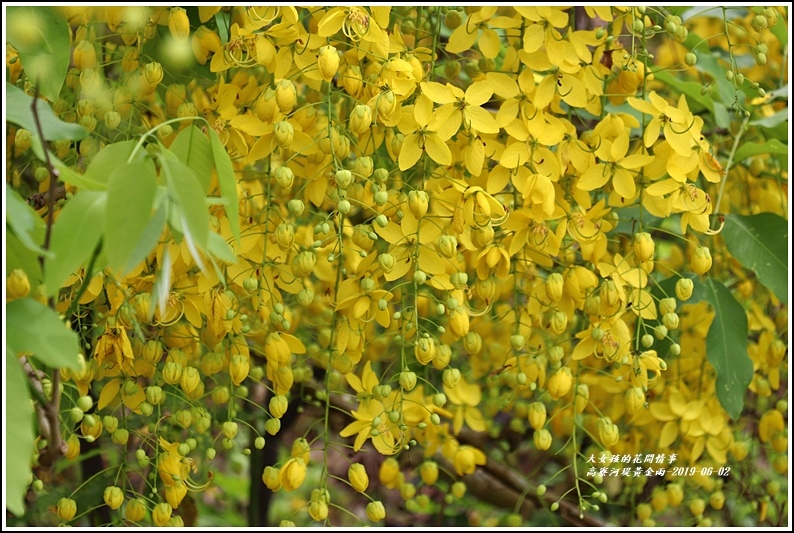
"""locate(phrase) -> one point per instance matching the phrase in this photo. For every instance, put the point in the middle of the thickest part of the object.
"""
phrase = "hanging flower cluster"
(449, 222)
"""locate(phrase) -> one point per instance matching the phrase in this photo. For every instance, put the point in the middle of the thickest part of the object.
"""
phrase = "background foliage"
(397, 265)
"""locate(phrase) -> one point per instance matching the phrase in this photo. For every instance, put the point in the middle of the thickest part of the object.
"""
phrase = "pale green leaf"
(19, 111)
(35, 328)
(131, 190)
(190, 207)
(24, 222)
(749, 149)
(107, 160)
(193, 149)
(41, 36)
(220, 248)
(74, 236)
(150, 236)
(227, 182)
(20, 257)
(19, 431)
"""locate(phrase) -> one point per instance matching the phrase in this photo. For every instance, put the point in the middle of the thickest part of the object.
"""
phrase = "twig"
(55, 445)
(730, 162)
(497, 484)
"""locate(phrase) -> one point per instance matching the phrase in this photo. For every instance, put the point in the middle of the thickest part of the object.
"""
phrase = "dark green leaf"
(750, 149)
(24, 222)
(193, 148)
(19, 111)
(690, 88)
(19, 431)
(760, 243)
(107, 160)
(227, 182)
(726, 348)
(131, 190)
(41, 36)
(37, 329)
(185, 191)
(629, 218)
(74, 236)
(223, 26)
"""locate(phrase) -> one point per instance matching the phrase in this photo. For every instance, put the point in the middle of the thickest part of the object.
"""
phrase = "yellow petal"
(461, 40)
(594, 178)
(109, 393)
(479, 93)
(436, 149)
(410, 152)
(481, 120)
(668, 434)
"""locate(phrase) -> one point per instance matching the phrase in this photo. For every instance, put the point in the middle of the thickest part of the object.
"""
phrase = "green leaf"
(185, 191)
(690, 88)
(780, 30)
(19, 431)
(760, 243)
(69, 176)
(131, 190)
(722, 118)
(750, 149)
(227, 182)
(37, 329)
(771, 121)
(25, 223)
(726, 347)
(150, 236)
(220, 248)
(41, 36)
(107, 160)
(20, 257)
(74, 236)
(193, 149)
(19, 111)
(223, 26)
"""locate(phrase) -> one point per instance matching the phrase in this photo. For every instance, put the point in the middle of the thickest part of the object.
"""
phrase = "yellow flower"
(357, 475)
(372, 421)
(161, 514)
(464, 398)
(113, 497)
(483, 20)
(375, 511)
(701, 260)
(459, 108)
(178, 24)
(66, 509)
(675, 122)
(616, 165)
(135, 510)
(467, 458)
(174, 470)
(560, 383)
(292, 473)
(429, 472)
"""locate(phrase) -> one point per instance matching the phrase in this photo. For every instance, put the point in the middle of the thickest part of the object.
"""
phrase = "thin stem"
(738, 138)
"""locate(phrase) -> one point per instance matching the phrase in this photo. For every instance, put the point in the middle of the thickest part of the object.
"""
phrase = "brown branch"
(496, 483)
(55, 446)
(40, 199)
